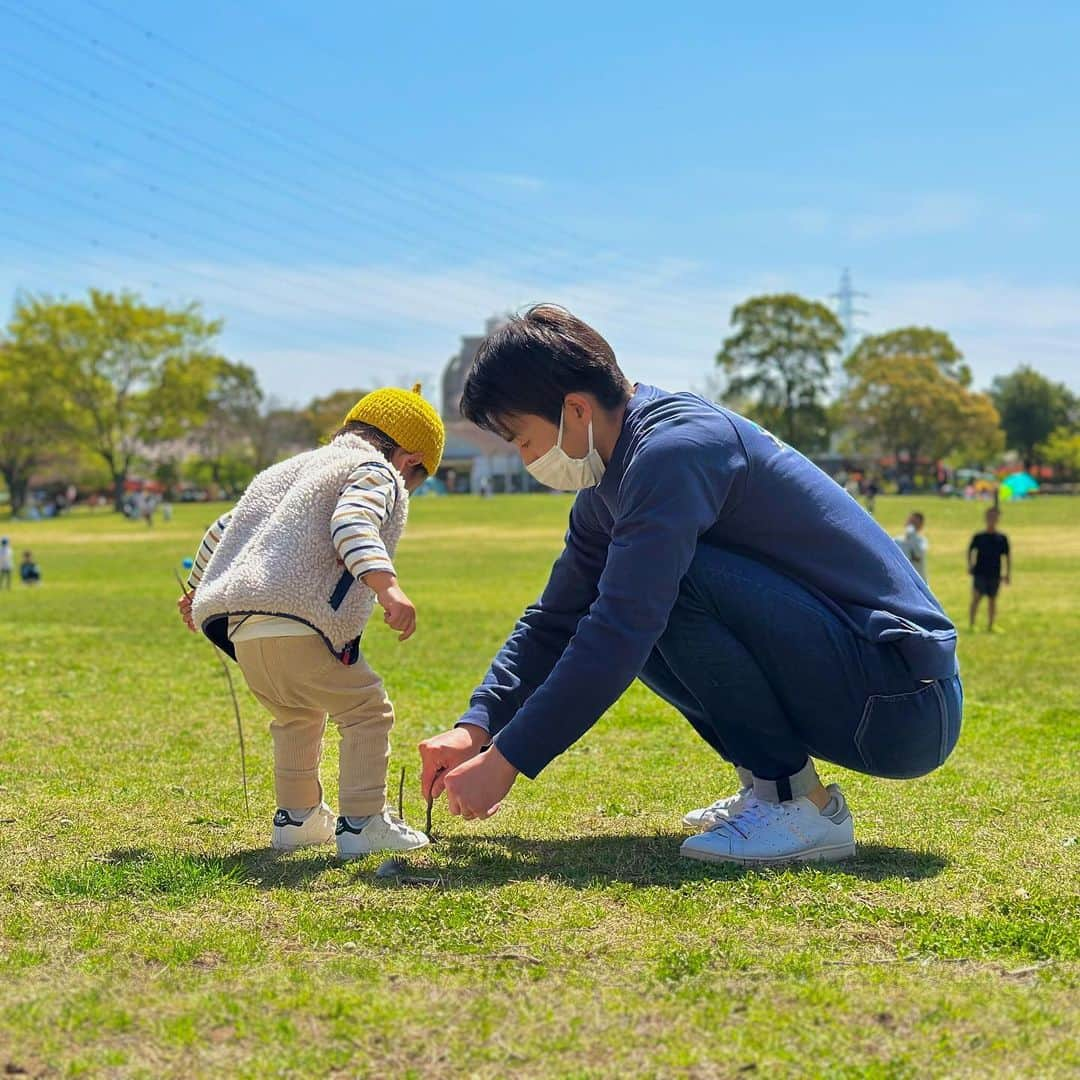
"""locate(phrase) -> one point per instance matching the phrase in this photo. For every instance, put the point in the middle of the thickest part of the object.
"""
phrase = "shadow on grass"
(454, 863)
(638, 860)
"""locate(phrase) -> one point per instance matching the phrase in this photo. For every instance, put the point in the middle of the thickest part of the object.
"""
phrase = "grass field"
(146, 931)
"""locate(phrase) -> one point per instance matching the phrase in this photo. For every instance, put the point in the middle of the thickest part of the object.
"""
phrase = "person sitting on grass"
(29, 570)
(285, 584)
(985, 553)
(718, 565)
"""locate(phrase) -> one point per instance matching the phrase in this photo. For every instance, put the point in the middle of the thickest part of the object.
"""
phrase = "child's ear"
(405, 462)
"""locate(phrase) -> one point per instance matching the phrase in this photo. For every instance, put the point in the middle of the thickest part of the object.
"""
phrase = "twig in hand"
(236, 706)
(430, 803)
(401, 795)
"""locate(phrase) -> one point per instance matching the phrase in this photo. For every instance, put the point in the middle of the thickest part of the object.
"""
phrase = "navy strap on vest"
(341, 590)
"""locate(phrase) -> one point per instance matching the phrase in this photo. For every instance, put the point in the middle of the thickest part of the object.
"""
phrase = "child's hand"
(183, 605)
(399, 612)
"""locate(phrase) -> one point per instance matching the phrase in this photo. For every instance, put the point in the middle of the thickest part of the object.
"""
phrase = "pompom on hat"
(407, 418)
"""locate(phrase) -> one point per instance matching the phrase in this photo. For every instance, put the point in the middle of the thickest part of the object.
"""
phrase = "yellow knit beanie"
(407, 418)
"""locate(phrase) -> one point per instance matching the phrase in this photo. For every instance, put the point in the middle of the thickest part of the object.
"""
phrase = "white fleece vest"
(276, 556)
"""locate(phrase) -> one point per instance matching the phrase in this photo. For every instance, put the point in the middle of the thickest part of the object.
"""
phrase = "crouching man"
(729, 574)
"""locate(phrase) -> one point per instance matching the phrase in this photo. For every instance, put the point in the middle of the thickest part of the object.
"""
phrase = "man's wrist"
(480, 736)
(497, 755)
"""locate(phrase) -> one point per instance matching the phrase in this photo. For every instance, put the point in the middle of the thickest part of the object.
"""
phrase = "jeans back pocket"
(901, 736)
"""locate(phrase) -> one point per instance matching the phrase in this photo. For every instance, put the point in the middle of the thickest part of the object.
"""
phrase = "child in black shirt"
(985, 553)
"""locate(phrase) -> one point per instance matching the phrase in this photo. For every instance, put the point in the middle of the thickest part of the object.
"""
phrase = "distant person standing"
(29, 570)
(914, 543)
(872, 490)
(985, 553)
(7, 562)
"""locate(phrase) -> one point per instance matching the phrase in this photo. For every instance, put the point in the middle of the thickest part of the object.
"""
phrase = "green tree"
(280, 431)
(936, 345)
(1031, 407)
(1062, 450)
(778, 359)
(226, 438)
(327, 413)
(128, 368)
(34, 420)
(908, 407)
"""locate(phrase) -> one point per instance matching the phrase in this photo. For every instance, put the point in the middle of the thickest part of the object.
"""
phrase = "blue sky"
(353, 186)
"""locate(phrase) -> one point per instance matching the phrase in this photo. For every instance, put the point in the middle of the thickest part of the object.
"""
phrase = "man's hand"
(477, 788)
(441, 753)
(399, 613)
(183, 605)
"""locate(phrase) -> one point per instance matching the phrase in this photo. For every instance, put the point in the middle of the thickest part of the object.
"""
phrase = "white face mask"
(557, 469)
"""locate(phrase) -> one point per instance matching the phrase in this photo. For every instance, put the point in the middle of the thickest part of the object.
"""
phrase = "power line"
(216, 157)
(264, 330)
(327, 285)
(232, 164)
(61, 197)
(319, 121)
(258, 130)
(245, 293)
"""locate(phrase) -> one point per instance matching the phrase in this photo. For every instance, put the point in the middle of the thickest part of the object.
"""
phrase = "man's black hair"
(529, 366)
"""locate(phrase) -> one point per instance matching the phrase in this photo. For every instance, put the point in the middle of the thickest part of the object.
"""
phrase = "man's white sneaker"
(707, 816)
(765, 834)
(295, 829)
(381, 832)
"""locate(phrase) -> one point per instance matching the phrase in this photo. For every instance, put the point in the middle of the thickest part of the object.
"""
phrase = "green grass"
(146, 931)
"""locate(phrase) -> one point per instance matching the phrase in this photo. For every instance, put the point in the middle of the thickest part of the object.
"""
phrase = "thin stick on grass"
(430, 803)
(239, 732)
(236, 706)
(401, 794)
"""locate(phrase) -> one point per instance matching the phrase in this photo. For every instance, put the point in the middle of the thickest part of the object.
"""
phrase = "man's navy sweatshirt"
(686, 472)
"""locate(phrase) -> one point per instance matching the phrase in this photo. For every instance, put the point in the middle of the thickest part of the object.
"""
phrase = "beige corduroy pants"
(301, 682)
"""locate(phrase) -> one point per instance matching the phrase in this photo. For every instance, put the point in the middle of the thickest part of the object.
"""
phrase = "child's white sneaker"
(707, 816)
(381, 832)
(766, 833)
(295, 829)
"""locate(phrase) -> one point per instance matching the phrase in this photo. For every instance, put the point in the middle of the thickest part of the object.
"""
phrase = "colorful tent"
(1018, 485)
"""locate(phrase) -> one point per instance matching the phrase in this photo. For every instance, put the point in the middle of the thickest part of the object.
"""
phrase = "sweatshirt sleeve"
(669, 496)
(541, 635)
(211, 539)
(366, 502)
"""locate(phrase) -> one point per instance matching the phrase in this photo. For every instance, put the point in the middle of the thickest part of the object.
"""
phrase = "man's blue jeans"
(770, 676)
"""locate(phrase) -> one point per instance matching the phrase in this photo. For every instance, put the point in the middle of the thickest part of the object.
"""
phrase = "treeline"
(92, 390)
(906, 394)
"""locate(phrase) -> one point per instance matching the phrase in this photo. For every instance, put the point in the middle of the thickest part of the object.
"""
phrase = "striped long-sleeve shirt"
(210, 541)
(365, 503)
